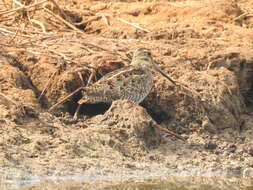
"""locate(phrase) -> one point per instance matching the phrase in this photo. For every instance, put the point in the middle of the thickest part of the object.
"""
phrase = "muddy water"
(187, 184)
(170, 184)
(129, 183)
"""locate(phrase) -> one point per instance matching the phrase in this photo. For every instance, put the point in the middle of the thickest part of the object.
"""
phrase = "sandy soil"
(206, 45)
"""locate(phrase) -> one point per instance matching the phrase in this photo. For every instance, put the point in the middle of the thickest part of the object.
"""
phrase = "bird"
(133, 82)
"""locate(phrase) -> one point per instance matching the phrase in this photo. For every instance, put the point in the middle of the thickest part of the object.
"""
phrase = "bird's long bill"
(164, 74)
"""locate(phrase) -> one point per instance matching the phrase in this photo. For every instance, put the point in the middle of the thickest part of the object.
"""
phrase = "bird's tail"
(84, 98)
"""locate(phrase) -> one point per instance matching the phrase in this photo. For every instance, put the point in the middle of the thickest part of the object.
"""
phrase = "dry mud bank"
(206, 45)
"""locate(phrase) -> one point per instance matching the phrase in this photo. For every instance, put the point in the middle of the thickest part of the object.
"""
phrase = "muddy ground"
(205, 45)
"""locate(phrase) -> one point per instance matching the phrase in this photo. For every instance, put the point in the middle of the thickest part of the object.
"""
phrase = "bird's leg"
(80, 102)
(77, 111)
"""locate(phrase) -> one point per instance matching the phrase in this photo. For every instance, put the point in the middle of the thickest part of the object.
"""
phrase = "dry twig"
(9, 99)
(65, 98)
(18, 3)
(60, 10)
(62, 20)
(13, 102)
(15, 33)
(135, 25)
(90, 20)
(5, 4)
(47, 85)
(241, 16)
(42, 26)
(22, 8)
(105, 19)
(169, 132)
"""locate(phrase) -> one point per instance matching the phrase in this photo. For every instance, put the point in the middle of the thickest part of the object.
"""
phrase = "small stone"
(234, 171)
(231, 148)
(250, 161)
(210, 146)
(250, 150)
(247, 172)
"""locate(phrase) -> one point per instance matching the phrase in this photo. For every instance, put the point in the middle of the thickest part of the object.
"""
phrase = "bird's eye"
(149, 53)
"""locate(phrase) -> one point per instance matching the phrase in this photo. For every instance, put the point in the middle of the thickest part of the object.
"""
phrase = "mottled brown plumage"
(132, 82)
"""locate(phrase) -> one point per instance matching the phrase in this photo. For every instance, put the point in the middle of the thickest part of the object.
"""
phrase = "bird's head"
(142, 57)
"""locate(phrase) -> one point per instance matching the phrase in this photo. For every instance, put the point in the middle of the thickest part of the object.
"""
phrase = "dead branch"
(90, 20)
(66, 98)
(62, 13)
(22, 8)
(42, 26)
(63, 21)
(13, 102)
(9, 99)
(243, 15)
(15, 33)
(105, 19)
(47, 85)
(135, 25)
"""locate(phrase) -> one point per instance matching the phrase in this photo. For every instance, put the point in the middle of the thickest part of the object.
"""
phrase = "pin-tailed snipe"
(132, 82)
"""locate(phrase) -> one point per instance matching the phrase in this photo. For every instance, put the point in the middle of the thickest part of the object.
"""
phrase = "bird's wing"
(119, 84)
(113, 73)
(120, 75)
(124, 84)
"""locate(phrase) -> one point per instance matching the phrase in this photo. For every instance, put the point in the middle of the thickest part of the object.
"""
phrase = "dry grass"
(29, 32)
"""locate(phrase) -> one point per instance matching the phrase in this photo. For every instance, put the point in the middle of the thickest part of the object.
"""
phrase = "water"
(170, 183)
